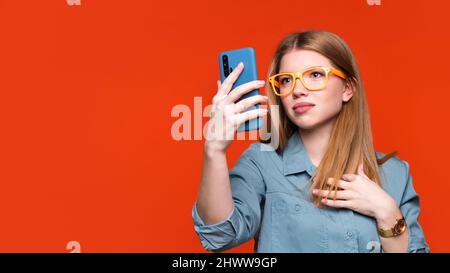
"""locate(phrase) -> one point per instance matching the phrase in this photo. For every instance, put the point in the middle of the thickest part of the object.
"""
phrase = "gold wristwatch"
(398, 229)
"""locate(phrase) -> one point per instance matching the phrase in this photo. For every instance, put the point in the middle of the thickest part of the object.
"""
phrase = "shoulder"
(252, 166)
(394, 164)
(395, 174)
(264, 156)
(260, 152)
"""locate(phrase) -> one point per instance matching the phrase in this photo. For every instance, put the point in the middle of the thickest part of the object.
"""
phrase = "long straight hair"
(350, 142)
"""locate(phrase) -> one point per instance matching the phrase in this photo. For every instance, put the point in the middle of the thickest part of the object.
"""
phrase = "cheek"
(330, 103)
(330, 100)
(287, 102)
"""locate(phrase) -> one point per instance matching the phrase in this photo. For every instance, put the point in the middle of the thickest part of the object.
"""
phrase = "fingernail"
(261, 82)
(241, 64)
(264, 110)
(265, 97)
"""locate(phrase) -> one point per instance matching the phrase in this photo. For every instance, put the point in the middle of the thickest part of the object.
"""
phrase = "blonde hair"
(351, 138)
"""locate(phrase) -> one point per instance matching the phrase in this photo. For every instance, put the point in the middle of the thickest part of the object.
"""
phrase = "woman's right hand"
(226, 115)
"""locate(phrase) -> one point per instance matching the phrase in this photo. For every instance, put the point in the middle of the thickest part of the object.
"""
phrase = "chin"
(304, 122)
(305, 126)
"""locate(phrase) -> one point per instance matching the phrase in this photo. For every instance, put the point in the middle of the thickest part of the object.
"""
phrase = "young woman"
(323, 188)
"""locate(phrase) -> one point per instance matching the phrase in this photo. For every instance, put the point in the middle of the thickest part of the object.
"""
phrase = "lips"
(302, 107)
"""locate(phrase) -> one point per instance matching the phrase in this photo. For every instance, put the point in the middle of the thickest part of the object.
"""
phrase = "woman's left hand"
(360, 194)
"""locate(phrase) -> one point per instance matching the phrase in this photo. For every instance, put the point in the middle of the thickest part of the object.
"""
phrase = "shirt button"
(349, 234)
(297, 207)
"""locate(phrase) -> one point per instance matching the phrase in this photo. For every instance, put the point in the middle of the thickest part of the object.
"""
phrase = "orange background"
(86, 152)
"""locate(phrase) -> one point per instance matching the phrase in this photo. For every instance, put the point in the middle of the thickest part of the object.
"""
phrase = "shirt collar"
(295, 157)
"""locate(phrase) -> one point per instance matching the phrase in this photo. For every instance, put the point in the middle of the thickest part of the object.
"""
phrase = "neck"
(316, 141)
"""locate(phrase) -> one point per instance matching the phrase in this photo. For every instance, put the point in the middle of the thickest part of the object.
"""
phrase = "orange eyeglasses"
(313, 78)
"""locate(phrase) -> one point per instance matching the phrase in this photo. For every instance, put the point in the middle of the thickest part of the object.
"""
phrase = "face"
(327, 102)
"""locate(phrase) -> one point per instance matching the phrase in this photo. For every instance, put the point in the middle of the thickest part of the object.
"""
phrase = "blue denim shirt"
(271, 204)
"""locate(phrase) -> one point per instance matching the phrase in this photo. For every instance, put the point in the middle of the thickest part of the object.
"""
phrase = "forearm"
(396, 244)
(387, 220)
(214, 200)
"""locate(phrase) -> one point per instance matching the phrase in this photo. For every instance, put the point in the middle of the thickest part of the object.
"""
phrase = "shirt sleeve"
(248, 188)
(410, 208)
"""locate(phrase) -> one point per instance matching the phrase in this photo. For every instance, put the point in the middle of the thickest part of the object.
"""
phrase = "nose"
(299, 89)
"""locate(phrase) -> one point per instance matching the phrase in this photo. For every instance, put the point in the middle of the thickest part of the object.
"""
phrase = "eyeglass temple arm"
(338, 73)
(275, 83)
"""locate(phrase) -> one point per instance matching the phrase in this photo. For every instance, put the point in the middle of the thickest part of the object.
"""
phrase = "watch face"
(400, 226)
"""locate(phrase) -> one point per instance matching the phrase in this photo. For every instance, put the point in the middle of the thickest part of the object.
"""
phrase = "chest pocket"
(297, 225)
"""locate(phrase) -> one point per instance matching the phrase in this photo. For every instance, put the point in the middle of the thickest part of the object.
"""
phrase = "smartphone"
(228, 60)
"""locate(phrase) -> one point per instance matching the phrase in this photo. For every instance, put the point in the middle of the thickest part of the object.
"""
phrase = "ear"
(348, 91)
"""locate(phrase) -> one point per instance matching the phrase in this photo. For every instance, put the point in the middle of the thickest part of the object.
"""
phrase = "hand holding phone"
(228, 60)
(232, 108)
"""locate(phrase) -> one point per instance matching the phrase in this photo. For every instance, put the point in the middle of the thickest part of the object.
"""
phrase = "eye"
(314, 75)
(317, 74)
(285, 80)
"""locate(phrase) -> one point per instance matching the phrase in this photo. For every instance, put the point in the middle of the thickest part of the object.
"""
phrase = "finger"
(218, 97)
(361, 170)
(335, 203)
(236, 93)
(248, 115)
(232, 77)
(349, 177)
(341, 195)
(265, 106)
(247, 102)
(341, 183)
